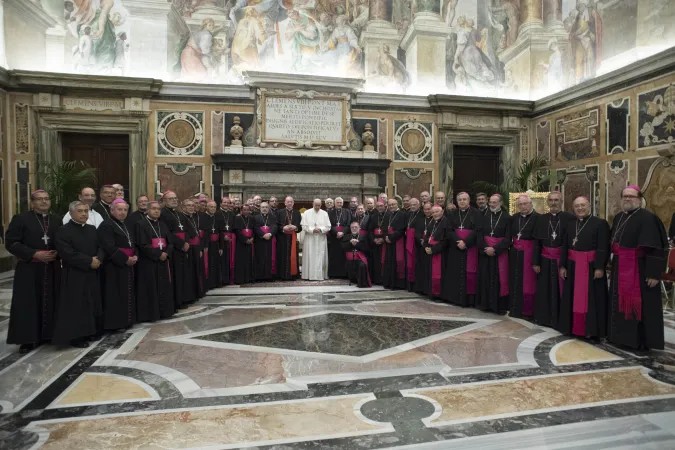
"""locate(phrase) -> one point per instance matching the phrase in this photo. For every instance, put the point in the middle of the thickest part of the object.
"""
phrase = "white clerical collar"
(77, 223)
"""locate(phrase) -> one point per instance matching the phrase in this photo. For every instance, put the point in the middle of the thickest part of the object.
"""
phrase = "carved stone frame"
(49, 123)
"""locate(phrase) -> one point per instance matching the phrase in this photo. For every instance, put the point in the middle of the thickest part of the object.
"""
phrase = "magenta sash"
(554, 253)
(194, 241)
(435, 270)
(529, 275)
(201, 234)
(580, 302)
(233, 241)
(471, 263)
(180, 234)
(248, 232)
(630, 295)
(265, 229)
(155, 244)
(127, 251)
(400, 255)
(363, 232)
(339, 229)
(360, 256)
(214, 237)
(378, 232)
(502, 265)
(410, 252)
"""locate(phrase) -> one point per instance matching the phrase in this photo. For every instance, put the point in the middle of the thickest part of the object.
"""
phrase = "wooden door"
(474, 163)
(108, 153)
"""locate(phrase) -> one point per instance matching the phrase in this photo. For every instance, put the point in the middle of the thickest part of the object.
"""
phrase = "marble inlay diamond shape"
(346, 336)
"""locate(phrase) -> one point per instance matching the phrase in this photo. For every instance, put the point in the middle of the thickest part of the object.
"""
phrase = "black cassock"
(461, 276)
(197, 245)
(422, 268)
(493, 271)
(413, 220)
(214, 243)
(548, 232)
(119, 298)
(102, 208)
(377, 229)
(393, 274)
(154, 284)
(340, 218)
(522, 278)
(357, 261)
(36, 284)
(227, 261)
(79, 313)
(244, 269)
(181, 265)
(134, 218)
(288, 262)
(431, 281)
(265, 249)
(586, 318)
(643, 232)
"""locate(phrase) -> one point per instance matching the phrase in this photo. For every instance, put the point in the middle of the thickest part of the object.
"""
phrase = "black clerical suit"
(154, 284)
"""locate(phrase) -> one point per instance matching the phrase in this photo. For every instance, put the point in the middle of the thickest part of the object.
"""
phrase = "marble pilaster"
(424, 44)
(530, 16)
(148, 29)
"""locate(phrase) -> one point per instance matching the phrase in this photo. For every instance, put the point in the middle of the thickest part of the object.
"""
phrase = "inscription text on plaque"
(315, 120)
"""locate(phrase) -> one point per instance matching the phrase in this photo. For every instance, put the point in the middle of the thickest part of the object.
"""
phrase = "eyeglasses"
(41, 199)
(629, 196)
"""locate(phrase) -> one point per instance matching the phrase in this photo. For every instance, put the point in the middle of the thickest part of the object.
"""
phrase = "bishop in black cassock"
(548, 233)
(30, 237)
(522, 277)
(140, 213)
(244, 271)
(265, 231)
(183, 280)
(584, 254)
(340, 218)
(394, 274)
(377, 231)
(196, 252)
(434, 244)
(119, 289)
(639, 257)
(214, 247)
(288, 248)
(412, 220)
(102, 206)
(355, 246)
(79, 314)
(494, 241)
(154, 286)
(422, 229)
(225, 216)
(461, 276)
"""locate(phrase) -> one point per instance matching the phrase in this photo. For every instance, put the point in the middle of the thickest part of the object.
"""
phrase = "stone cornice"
(465, 104)
(645, 69)
(148, 8)
(72, 84)
(304, 82)
(300, 163)
(30, 12)
(206, 92)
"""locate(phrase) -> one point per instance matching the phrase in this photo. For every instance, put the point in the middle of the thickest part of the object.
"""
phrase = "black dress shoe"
(26, 348)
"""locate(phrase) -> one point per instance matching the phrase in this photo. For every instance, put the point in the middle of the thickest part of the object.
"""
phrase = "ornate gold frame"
(538, 201)
(306, 95)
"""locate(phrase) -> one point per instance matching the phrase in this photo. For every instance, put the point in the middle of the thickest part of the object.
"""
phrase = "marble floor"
(329, 366)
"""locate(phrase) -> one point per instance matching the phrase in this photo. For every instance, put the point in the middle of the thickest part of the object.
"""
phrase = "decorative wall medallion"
(413, 141)
(180, 133)
(21, 128)
(656, 117)
(543, 136)
(369, 179)
(577, 135)
(617, 126)
(236, 176)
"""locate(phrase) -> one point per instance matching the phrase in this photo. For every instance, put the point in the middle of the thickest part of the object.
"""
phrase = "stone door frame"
(49, 123)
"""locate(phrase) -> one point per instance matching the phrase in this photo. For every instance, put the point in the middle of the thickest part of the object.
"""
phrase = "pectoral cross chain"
(461, 227)
(574, 242)
(180, 225)
(519, 234)
(492, 233)
(161, 245)
(45, 238)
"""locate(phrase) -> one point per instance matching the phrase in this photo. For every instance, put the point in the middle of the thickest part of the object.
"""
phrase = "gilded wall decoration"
(217, 131)
(543, 136)
(413, 141)
(412, 181)
(21, 129)
(656, 116)
(359, 126)
(22, 186)
(616, 178)
(577, 135)
(183, 178)
(617, 126)
(180, 133)
(659, 189)
(578, 182)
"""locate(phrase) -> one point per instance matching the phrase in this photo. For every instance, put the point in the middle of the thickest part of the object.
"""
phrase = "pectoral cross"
(45, 238)
(213, 230)
(161, 245)
(492, 233)
(227, 227)
(130, 244)
(180, 225)
(574, 242)
(553, 235)
(461, 227)
(519, 234)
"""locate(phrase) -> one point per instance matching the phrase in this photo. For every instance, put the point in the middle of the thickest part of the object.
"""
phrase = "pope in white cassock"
(315, 223)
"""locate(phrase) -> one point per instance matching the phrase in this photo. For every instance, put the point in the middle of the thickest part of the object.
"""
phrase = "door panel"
(474, 163)
(108, 153)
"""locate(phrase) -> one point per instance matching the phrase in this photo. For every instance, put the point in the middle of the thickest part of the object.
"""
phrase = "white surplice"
(314, 245)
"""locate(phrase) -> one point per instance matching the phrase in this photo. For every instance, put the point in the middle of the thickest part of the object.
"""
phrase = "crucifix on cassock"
(161, 244)
(45, 238)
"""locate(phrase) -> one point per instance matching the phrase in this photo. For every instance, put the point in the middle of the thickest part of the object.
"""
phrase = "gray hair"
(339, 198)
(73, 206)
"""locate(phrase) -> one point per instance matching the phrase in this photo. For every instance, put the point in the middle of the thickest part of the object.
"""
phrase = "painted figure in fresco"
(248, 36)
(390, 70)
(449, 11)
(326, 27)
(344, 46)
(585, 30)
(360, 13)
(303, 36)
(195, 58)
(90, 18)
(471, 67)
(512, 11)
(121, 49)
(554, 80)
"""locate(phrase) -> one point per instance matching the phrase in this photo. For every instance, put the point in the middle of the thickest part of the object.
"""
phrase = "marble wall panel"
(383, 132)
(617, 126)
(179, 133)
(656, 116)
(184, 179)
(577, 135)
(643, 166)
(659, 189)
(412, 181)
(217, 131)
(616, 178)
(22, 186)
(21, 129)
(576, 184)
(543, 136)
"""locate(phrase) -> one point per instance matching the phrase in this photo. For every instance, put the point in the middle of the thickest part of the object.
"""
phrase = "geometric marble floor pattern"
(329, 367)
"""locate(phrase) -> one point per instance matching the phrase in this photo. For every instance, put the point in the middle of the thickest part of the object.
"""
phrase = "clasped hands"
(461, 245)
(132, 260)
(490, 251)
(267, 236)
